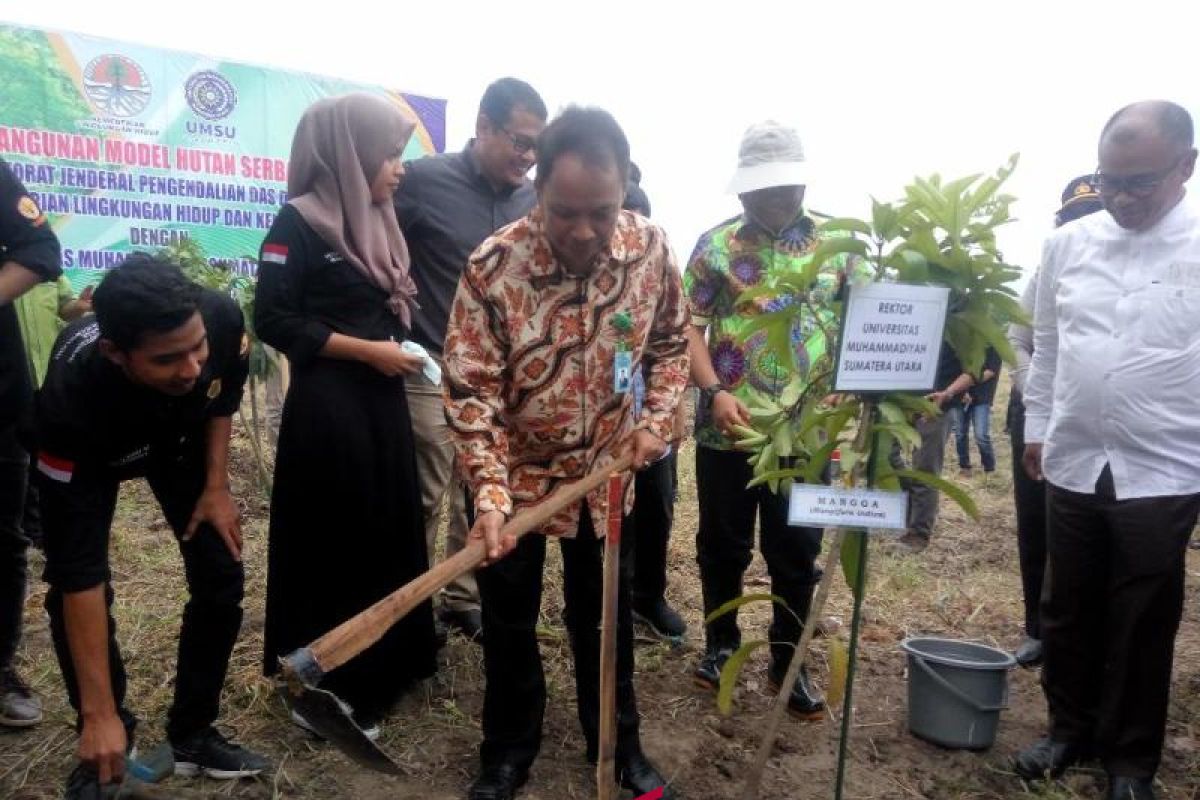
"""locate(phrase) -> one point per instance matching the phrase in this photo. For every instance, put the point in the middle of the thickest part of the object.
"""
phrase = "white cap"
(770, 155)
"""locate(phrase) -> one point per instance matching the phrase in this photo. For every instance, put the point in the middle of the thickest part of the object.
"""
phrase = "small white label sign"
(820, 506)
(891, 338)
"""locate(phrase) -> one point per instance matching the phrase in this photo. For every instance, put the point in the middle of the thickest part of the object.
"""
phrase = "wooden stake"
(606, 776)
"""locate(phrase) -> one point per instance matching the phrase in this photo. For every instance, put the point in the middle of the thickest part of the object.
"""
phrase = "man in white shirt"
(1113, 425)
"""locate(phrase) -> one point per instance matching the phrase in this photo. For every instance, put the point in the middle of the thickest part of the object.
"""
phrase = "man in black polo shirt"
(30, 254)
(145, 388)
(447, 205)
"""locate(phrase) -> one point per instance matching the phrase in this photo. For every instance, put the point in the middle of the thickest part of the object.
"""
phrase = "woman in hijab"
(334, 295)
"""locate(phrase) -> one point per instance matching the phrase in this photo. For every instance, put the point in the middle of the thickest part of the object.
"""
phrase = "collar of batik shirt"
(630, 241)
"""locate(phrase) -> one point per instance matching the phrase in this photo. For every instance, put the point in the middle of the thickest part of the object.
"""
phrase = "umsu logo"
(211, 129)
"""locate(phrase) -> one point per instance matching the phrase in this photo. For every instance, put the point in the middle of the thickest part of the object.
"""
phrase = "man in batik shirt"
(772, 237)
(553, 316)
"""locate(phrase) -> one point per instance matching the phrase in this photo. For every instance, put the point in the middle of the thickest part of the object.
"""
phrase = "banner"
(128, 147)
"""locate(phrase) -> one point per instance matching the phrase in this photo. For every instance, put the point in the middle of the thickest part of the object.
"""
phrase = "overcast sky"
(880, 91)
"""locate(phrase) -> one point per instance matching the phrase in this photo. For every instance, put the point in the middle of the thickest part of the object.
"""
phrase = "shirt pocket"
(1170, 317)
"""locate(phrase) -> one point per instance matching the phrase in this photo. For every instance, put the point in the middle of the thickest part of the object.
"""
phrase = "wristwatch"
(709, 393)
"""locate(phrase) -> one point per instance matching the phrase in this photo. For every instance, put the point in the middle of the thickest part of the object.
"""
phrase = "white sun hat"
(771, 154)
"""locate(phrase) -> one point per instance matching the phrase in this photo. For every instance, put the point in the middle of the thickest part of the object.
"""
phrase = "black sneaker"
(211, 754)
(708, 672)
(19, 706)
(82, 784)
(662, 620)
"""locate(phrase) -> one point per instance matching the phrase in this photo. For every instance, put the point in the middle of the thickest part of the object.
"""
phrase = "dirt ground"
(964, 586)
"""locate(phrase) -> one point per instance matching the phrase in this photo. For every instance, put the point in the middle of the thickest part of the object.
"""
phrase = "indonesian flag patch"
(54, 468)
(275, 253)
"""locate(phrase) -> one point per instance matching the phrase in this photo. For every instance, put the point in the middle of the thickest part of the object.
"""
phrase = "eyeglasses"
(1142, 185)
(521, 143)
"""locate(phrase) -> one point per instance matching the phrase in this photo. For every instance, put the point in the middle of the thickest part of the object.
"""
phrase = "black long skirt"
(346, 528)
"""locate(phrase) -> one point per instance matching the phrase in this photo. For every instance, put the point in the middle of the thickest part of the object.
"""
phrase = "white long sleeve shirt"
(1020, 336)
(1115, 376)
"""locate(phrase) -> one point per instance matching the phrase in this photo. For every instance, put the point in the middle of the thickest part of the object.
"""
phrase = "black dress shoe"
(1122, 788)
(1029, 654)
(639, 776)
(467, 621)
(803, 703)
(662, 620)
(1047, 758)
(498, 782)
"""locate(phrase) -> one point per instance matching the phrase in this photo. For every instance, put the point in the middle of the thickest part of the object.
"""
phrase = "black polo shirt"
(26, 238)
(96, 428)
(446, 209)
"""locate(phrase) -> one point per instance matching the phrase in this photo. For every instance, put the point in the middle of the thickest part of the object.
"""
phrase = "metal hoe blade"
(331, 719)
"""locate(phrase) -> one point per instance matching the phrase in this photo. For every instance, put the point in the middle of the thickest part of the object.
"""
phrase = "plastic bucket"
(956, 691)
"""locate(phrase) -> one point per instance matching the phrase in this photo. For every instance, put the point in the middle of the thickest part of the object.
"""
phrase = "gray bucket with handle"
(956, 691)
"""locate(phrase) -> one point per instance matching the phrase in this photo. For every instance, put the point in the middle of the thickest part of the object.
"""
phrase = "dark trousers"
(1030, 499)
(653, 514)
(514, 701)
(211, 617)
(14, 472)
(1111, 607)
(724, 545)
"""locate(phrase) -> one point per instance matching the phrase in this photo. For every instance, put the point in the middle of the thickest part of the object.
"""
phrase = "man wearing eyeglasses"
(1111, 423)
(447, 205)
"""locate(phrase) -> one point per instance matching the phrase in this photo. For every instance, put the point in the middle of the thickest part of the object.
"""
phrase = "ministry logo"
(210, 94)
(116, 85)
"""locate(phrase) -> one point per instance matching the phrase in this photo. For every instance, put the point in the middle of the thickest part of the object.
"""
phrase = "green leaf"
(730, 673)
(886, 219)
(836, 422)
(829, 248)
(791, 393)
(903, 431)
(839, 669)
(915, 404)
(953, 491)
(924, 243)
(893, 413)
(910, 266)
(816, 464)
(782, 437)
(854, 549)
(885, 476)
(775, 475)
(738, 602)
(846, 225)
(992, 332)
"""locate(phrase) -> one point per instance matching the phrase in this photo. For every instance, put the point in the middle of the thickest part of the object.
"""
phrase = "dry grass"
(964, 586)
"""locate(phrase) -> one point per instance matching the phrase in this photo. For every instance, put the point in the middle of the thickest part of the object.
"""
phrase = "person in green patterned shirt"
(772, 236)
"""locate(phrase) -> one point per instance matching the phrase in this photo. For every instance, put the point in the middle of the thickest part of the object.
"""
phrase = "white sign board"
(820, 506)
(891, 337)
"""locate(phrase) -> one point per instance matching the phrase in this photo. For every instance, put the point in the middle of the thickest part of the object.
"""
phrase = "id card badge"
(622, 371)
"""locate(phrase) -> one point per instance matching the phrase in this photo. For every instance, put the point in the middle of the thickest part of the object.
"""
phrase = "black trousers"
(725, 541)
(1111, 607)
(1030, 499)
(653, 514)
(14, 472)
(211, 617)
(514, 700)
